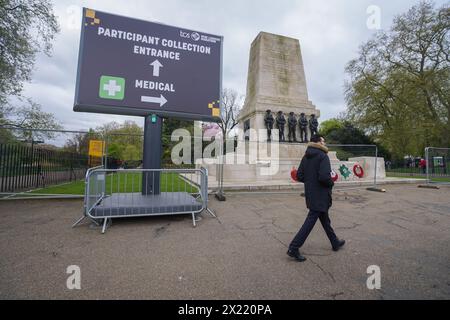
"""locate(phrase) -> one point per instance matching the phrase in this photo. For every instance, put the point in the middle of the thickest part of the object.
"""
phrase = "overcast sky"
(329, 33)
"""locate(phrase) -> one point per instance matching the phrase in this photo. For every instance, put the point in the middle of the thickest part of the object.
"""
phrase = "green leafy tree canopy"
(399, 87)
(26, 28)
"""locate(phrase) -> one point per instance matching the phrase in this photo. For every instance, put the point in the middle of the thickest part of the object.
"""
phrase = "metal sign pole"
(427, 163)
(152, 154)
(105, 154)
(221, 165)
(376, 165)
(220, 195)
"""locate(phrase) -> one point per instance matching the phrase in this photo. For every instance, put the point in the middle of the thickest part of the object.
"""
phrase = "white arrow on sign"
(161, 100)
(156, 65)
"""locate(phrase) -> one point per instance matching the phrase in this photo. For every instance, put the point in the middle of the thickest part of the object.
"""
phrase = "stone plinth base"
(254, 162)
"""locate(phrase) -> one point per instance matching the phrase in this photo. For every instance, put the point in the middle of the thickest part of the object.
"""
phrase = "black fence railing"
(406, 167)
(24, 167)
(417, 166)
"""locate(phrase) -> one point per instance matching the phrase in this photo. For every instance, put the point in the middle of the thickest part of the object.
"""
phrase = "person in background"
(423, 165)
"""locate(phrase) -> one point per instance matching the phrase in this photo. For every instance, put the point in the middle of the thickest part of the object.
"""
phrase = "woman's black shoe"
(339, 245)
(296, 255)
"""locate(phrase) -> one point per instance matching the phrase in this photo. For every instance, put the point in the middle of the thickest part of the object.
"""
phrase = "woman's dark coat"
(315, 172)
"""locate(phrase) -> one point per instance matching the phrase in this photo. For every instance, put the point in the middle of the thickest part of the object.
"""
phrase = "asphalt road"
(240, 255)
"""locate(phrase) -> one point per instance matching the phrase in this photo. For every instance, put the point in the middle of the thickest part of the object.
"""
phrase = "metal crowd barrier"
(117, 193)
(437, 165)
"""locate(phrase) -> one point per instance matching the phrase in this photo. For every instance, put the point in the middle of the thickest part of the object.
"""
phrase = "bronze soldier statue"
(268, 121)
(281, 121)
(313, 125)
(292, 125)
(303, 124)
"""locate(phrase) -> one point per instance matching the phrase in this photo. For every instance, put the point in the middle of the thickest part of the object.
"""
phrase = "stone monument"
(276, 87)
(276, 80)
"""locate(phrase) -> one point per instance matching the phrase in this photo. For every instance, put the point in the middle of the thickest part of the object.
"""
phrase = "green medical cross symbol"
(112, 88)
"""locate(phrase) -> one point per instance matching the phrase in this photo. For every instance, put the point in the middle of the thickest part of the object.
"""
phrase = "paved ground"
(241, 255)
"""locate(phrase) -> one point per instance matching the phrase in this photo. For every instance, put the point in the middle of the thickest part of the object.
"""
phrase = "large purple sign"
(134, 67)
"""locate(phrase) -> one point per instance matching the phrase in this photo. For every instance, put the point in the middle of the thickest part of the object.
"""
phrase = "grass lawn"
(405, 170)
(130, 182)
(433, 179)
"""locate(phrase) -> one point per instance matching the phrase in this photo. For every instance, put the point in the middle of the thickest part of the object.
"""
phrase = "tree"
(123, 141)
(6, 136)
(26, 28)
(231, 106)
(28, 116)
(345, 133)
(329, 125)
(168, 127)
(399, 87)
(79, 143)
